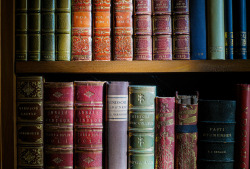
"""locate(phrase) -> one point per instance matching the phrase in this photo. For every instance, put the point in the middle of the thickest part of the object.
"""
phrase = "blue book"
(198, 29)
(229, 49)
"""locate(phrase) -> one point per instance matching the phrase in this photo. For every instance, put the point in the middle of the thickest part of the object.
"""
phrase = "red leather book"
(142, 48)
(181, 6)
(181, 47)
(81, 30)
(162, 7)
(242, 126)
(165, 132)
(61, 158)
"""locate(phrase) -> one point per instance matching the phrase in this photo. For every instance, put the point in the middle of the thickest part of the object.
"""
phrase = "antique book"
(81, 30)
(229, 38)
(101, 30)
(216, 134)
(198, 43)
(186, 114)
(63, 30)
(248, 31)
(162, 7)
(141, 127)
(215, 30)
(117, 124)
(88, 124)
(165, 132)
(29, 109)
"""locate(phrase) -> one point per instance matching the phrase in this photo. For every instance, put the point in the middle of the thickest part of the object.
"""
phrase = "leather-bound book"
(216, 134)
(101, 30)
(186, 114)
(248, 31)
(229, 38)
(81, 30)
(141, 127)
(88, 124)
(165, 132)
(117, 124)
(29, 109)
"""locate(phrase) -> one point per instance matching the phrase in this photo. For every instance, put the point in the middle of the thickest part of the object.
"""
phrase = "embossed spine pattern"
(216, 134)
(186, 114)
(141, 127)
(165, 132)
(58, 113)
(101, 30)
(88, 124)
(117, 124)
(29, 97)
(81, 30)
(229, 38)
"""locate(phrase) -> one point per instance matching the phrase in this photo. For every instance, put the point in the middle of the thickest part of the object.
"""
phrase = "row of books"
(152, 30)
(61, 125)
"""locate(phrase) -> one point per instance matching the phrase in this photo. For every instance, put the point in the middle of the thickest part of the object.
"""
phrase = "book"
(248, 31)
(141, 127)
(216, 134)
(229, 38)
(117, 124)
(81, 30)
(29, 109)
(215, 30)
(165, 132)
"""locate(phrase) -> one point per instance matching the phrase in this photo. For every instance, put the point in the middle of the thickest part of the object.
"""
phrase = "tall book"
(117, 124)
(58, 124)
(88, 124)
(186, 117)
(81, 30)
(248, 31)
(101, 30)
(198, 30)
(215, 30)
(29, 109)
(229, 38)
(181, 30)
(165, 132)
(216, 134)
(141, 127)
(242, 126)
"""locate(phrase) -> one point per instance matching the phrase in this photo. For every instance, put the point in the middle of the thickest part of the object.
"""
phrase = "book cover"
(229, 38)
(162, 7)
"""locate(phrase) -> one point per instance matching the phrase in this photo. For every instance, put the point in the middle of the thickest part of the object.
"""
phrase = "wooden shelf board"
(134, 66)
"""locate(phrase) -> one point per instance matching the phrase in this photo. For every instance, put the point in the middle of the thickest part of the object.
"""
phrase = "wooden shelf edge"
(134, 66)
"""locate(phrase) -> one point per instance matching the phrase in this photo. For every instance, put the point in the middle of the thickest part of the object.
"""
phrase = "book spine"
(198, 30)
(30, 135)
(181, 30)
(240, 29)
(102, 30)
(63, 30)
(58, 124)
(141, 127)
(215, 30)
(123, 30)
(165, 132)
(48, 31)
(248, 31)
(88, 124)
(142, 30)
(229, 50)
(242, 126)
(81, 30)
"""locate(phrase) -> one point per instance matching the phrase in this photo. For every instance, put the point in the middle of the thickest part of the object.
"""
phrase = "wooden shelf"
(134, 66)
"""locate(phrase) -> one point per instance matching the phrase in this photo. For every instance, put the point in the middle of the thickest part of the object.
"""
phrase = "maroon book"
(162, 7)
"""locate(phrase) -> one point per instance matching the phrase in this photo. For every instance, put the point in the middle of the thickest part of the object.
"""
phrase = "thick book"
(164, 132)
(30, 134)
(81, 30)
(229, 38)
(215, 30)
(216, 134)
(198, 30)
(141, 127)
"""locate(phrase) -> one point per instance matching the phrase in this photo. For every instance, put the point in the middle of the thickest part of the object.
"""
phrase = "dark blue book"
(198, 29)
(248, 31)
(229, 50)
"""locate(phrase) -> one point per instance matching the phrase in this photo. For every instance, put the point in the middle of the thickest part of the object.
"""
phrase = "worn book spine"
(248, 31)
(81, 30)
(88, 124)
(141, 127)
(186, 114)
(198, 30)
(242, 126)
(229, 48)
(63, 30)
(102, 30)
(58, 124)
(216, 134)
(181, 30)
(30, 134)
(48, 30)
(165, 132)
(215, 30)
